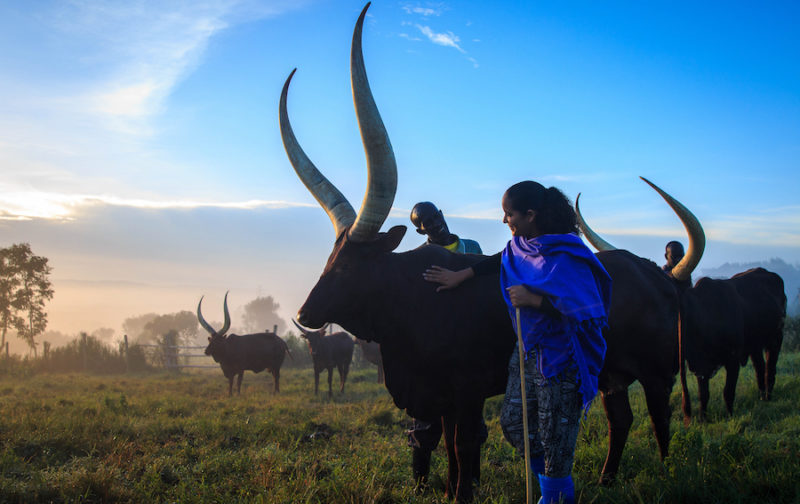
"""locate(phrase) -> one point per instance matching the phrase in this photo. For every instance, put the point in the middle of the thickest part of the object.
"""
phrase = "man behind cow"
(423, 437)
(673, 253)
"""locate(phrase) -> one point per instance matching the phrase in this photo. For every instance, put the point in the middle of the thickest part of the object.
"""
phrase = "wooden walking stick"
(528, 477)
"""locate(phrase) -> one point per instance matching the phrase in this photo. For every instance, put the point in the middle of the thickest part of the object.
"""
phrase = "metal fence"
(175, 357)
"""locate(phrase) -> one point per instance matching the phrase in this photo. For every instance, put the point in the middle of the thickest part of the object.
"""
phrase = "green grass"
(179, 438)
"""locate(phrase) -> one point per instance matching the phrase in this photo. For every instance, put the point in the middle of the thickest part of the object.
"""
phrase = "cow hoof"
(607, 479)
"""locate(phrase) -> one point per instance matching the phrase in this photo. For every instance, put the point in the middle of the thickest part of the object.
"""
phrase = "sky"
(140, 148)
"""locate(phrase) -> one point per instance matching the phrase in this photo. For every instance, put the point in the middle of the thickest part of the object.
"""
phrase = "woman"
(563, 293)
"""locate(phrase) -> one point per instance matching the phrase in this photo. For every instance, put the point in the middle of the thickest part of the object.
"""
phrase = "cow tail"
(286, 346)
(686, 400)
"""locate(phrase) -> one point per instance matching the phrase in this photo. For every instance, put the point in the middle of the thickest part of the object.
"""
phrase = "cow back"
(255, 352)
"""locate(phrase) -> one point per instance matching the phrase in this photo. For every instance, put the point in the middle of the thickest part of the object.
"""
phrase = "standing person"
(430, 222)
(563, 293)
(423, 437)
(673, 253)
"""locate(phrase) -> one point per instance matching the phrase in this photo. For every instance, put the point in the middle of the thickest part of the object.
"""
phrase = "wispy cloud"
(53, 206)
(427, 10)
(448, 39)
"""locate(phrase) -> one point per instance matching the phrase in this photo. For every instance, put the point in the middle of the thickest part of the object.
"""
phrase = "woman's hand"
(447, 278)
(520, 296)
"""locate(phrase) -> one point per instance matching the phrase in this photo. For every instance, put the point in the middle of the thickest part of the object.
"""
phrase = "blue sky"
(139, 141)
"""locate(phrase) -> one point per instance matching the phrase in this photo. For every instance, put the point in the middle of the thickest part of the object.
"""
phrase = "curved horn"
(327, 195)
(381, 163)
(592, 237)
(227, 324)
(202, 321)
(302, 329)
(697, 238)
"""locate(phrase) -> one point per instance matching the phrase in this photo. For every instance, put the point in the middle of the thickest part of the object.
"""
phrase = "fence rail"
(171, 356)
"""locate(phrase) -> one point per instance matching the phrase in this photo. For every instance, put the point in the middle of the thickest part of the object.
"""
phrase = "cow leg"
(316, 382)
(702, 396)
(449, 429)
(758, 366)
(276, 376)
(620, 418)
(468, 450)
(772, 365)
(230, 385)
(731, 377)
(239, 383)
(656, 394)
(330, 382)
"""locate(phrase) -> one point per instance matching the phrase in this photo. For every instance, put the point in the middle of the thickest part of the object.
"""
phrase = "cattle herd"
(445, 353)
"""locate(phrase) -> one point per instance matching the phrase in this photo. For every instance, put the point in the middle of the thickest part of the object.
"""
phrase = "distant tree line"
(24, 289)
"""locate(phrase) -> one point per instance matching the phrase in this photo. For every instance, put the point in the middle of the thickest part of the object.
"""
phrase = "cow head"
(338, 295)
(313, 337)
(216, 340)
(697, 238)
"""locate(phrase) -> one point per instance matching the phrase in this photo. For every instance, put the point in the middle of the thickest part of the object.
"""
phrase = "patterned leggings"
(554, 411)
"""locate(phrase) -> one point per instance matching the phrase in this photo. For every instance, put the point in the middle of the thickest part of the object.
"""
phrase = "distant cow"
(250, 352)
(327, 352)
(764, 312)
(372, 353)
(712, 336)
(725, 321)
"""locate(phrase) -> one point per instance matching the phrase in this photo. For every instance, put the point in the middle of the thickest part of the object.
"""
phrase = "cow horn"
(302, 329)
(227, 324)
(592, 237)
(327, 195)
(381, 163)
(697, 238)
(202, 321)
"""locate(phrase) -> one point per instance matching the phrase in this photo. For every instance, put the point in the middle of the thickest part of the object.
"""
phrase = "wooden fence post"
(275, 328)
(125, 349)
(84, 351)
(170, 351)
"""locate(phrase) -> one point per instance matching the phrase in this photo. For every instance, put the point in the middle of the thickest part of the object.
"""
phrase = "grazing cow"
(725, 321)
(642, 334)
(443, 353)
(764, 312)
(712, 336)
(371, 352)
(327, 352)
(249, 352)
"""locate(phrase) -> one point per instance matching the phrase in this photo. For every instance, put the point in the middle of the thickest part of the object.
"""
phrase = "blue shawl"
(561, 268)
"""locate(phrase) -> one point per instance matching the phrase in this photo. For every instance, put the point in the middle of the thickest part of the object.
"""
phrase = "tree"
(261, 314)
(9, 283)
(24, 289)
(184, 323)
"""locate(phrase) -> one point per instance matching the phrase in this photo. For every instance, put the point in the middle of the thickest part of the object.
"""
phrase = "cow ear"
(392, 238)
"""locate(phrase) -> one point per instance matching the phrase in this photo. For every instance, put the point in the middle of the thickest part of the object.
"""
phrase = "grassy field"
(179, 438)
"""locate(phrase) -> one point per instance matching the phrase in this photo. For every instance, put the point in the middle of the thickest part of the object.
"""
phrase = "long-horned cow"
(722, 323)
(642, 334)
(249, 352)
(443, 353)
(329, 351)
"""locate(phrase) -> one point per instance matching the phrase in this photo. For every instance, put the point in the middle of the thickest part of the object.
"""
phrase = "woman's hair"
(554, 212)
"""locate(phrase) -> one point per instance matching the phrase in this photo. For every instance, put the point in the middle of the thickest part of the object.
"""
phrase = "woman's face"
(521, 224)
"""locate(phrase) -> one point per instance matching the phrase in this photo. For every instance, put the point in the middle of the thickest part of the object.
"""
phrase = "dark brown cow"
(249, 352)
(722, 323)
(712, 336)
(330, 351)
(725, 321)
(642, 334)
(371, 352)
(443, 353)
(764, 312)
